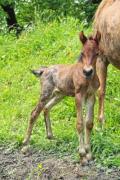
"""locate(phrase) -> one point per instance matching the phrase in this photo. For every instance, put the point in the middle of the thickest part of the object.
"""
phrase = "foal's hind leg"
(34, 115)
(47, 89)
(47, 109)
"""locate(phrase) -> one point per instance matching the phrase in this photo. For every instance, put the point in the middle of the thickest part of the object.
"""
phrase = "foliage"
(28, 11)
(47, 44)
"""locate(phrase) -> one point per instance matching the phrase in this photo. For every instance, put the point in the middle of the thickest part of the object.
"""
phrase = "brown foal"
(78, 80)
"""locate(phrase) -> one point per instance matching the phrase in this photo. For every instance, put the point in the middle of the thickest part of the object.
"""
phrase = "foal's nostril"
(88, 72)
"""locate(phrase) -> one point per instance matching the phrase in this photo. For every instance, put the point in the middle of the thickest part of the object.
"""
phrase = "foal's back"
(60, 77)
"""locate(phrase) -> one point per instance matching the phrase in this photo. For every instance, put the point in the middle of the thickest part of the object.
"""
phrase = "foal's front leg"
(89, 125)
(80, 126)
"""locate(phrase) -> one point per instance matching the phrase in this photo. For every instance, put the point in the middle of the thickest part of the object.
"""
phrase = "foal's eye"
(82, 54)
(97, 53)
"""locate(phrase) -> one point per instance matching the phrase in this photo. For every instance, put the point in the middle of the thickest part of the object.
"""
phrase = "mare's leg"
(102, 65)
(56, 99)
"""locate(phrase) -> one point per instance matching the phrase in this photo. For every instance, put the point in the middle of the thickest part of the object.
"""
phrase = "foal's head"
(89, 53)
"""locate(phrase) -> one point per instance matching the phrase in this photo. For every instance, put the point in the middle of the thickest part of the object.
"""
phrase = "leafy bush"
(29, 11)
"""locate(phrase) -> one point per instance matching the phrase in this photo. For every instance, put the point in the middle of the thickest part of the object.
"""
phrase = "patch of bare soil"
(39, 166)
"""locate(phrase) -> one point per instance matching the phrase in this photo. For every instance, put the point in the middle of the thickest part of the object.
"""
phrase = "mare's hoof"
(50, 137)
(101, 120)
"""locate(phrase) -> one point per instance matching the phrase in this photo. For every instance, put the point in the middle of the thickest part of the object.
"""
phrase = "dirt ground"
(36, 165)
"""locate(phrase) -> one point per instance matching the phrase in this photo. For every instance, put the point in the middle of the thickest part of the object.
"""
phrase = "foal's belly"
(66, 87)
(67, 92)
(88, 91)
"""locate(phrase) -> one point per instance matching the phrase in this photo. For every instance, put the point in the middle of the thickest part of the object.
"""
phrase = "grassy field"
(46, 44)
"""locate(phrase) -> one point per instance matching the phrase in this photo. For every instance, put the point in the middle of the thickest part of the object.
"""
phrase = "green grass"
(46, 44)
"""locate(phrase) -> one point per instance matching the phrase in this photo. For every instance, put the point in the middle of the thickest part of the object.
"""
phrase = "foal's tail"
(39, 72)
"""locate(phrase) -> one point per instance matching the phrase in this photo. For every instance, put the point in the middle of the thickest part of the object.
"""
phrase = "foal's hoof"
(25, 149)
(89, 156)
(25, 142)
(87, 148)
(82, 152)
(84, 161)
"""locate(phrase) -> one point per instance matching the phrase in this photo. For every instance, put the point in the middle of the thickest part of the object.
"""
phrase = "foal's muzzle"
(88, 72)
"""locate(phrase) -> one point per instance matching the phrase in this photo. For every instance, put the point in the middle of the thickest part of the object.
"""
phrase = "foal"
(78, 80)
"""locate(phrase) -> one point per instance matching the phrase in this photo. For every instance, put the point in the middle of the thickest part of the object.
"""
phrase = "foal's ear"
(97, 37)
(82, 37)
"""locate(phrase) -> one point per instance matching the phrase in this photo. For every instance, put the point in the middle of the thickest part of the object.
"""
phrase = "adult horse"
(107, 22)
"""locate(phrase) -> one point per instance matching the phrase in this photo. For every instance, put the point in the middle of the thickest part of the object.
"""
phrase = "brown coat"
(107, 22)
